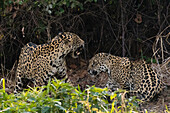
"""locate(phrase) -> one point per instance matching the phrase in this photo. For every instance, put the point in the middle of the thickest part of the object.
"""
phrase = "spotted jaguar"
(136, 76)
(39, 63)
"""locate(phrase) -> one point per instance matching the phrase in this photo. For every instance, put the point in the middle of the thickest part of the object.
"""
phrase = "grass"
(59, 97)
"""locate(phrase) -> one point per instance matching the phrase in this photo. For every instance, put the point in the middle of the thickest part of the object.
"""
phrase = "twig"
(123, 29)
(48, 32)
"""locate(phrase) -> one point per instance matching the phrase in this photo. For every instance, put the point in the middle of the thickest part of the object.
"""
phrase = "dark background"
(138, 29)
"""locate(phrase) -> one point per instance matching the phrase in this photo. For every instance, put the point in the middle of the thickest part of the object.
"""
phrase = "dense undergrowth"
(130, 28)
(58, 97)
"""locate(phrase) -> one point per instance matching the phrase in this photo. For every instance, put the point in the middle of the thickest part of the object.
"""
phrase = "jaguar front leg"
(18, 84)
(63, 72)
(112, 85)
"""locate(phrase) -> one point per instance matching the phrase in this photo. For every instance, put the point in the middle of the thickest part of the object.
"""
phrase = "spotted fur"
(136, 76)
(38, 63)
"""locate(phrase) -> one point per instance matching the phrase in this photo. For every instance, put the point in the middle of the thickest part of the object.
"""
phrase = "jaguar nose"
(82, 46)
(88, 71)
(94, 72)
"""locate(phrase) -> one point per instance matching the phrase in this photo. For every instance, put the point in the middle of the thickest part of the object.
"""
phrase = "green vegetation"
(62, 97)
(123, 28)
(49, 6)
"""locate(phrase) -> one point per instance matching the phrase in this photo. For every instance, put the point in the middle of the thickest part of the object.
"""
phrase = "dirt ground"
(77, 71)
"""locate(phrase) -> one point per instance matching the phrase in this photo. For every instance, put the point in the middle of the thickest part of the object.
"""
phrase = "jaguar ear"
(60, 33)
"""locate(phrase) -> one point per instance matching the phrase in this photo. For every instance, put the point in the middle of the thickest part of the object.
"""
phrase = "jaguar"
(39, 63)
(136, 76)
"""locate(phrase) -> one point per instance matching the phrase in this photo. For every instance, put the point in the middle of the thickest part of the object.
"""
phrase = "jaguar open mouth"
(77, 52)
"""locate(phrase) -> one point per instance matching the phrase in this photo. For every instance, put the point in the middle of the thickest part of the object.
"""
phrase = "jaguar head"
(68, 43)
(98, 64)
(78, 45)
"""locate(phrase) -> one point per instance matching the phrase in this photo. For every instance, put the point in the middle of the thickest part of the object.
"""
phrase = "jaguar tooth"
(77, 53)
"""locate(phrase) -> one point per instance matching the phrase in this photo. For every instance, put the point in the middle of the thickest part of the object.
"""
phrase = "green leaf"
(73, 5)
(20, 2)
(95, 0)
(62, 108)
(31, 99)
(61, 10)
(45, 109)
